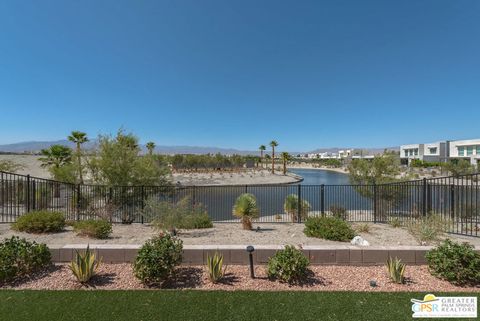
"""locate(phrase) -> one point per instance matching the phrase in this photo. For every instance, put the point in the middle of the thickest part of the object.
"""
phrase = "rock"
(358, 240)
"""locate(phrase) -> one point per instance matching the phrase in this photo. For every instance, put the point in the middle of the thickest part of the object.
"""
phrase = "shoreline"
(331, 169)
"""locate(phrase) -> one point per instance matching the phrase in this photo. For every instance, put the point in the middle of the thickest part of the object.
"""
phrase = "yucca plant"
(396, 270)
(290, 206)
(215, 268)
(85, 265)
(246, 208)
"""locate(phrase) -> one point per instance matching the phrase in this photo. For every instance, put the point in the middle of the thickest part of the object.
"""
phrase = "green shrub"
(246, 208)
(157, 258)
(40, 222)
(288, 265)
(290, 207)
(428, 229)
(330, 228)
(339, 212)
(85, 265)
(19, 257)
(99, 229)
(181, 215)
(455, 262)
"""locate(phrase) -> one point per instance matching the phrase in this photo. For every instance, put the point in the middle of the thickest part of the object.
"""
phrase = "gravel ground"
(321, 278)
(229, 234)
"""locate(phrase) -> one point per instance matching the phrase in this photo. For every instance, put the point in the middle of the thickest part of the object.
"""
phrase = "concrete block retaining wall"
(318, 255)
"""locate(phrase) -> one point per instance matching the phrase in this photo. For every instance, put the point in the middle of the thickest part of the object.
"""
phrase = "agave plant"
(396, 270)
(216, 271)
(85, 265)
(291, 207)
(246, 208)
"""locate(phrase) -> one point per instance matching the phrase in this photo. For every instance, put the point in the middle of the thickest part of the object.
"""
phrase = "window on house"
(406, 152)
(415, 152)
(478, 149)
(432, 150)
(469, 150)
(461, 151)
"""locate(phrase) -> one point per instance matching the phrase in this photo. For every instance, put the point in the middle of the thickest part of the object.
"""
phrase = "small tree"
(459, 167)
(285, 158)
(78, 138)
(262, 149)
(273, 144)
(382, 169)
(246, 208)
(151, 147)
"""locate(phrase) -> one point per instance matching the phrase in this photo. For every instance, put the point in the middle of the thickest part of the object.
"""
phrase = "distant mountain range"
(34, 147)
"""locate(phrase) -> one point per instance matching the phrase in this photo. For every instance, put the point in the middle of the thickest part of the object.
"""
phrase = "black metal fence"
(454, 198)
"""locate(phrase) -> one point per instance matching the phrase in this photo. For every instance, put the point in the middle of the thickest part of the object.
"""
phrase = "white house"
(466, 149)
(428, 152)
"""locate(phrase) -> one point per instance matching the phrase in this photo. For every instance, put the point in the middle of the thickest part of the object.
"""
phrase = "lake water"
(319, 177)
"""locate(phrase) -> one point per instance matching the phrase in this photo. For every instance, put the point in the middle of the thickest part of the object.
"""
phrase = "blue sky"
(240, 73)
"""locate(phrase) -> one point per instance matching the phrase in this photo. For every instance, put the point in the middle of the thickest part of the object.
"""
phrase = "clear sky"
(240, 73)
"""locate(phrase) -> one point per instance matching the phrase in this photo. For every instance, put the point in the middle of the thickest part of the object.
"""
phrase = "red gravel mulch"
(321, 278)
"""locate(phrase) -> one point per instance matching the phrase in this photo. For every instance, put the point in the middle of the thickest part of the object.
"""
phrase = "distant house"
(442, 151)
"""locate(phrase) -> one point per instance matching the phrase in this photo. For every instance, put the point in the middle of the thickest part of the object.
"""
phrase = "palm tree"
(285, 158)
(56, 156)
(150, 146)
(246, 208)
(79, 138)
(273, 144)
(262, 148)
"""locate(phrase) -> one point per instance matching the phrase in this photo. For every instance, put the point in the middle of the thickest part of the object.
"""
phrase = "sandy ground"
(250, 177)
(320, 278)
(230, 234)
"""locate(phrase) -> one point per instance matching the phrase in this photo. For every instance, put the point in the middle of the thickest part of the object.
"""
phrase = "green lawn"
(202, 305)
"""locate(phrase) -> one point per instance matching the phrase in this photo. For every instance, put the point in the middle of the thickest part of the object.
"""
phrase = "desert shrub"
(85, 265)
(339, 212)
(428, 229)
(40, 222)
(395, 222)
(291, 207)
(288, 265)
(396, 270)
(157, 258)
(19, 257)
(181, 215)
(455, 262)
(215, 267)
(99, 229)
(330, 228)
(363, 228)
(246, 208)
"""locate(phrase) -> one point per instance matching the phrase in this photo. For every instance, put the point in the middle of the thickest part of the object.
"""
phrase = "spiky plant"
(396, 270)
(291, 207)
(246, 208)
(85, 265)
(215, 267)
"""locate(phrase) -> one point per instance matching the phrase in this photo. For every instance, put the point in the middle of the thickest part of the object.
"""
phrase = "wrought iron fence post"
(299, 204)
(78, 202)
(143, 201)
(34, 195)
(424, 198)
(374, 203)
(452, 201)
(27, 200)
(246, 188)
(322, 199)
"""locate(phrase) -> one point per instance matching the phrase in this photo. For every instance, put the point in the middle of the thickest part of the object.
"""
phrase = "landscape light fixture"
(250, 250)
